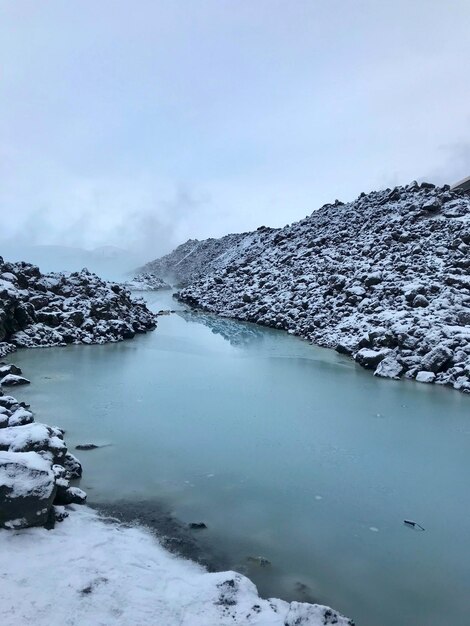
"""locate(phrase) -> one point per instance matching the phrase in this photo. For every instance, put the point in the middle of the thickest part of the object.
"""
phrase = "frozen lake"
(285, 451)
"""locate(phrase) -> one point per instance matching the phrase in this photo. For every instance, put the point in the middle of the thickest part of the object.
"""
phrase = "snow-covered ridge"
(57, 309)
(385, 279)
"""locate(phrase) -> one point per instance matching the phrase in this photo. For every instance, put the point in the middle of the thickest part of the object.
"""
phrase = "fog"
(139, 125)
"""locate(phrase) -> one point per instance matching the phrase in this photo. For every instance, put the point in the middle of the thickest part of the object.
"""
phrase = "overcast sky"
(142, 123)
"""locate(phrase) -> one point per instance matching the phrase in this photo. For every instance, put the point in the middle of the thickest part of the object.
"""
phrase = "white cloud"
(141, 125)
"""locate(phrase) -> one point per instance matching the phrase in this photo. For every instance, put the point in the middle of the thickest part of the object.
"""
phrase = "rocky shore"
(383, 279)
(56, 309)
(36, 469)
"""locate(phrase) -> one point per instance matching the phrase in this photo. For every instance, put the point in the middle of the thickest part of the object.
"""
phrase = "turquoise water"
(285, 451)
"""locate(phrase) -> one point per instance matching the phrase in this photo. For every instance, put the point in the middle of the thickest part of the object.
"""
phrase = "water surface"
(285, 451)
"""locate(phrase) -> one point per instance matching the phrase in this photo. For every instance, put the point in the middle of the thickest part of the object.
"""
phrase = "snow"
(26, 473)
(425, 377)
(35, 435)
(13, 379)
(89, 571)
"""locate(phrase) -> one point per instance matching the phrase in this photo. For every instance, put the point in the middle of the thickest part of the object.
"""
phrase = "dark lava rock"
(73, 466)
(27, 489)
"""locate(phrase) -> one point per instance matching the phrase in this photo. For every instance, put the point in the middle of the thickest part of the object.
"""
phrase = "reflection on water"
(285, 451)
(235, 333)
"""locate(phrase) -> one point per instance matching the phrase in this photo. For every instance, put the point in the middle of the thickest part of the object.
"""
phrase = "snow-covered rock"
(20, 417)
(58, 309)
(72, 465)
(370, 359)
(27, 489)
(390, 270)
(389, 367)
(12, 379)
(146, 282)
(34, 437)
(35, 469)
(425, 377)
(9, 368)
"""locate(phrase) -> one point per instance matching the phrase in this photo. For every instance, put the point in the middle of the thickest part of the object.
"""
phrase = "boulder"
(370, 358)
(420, 300)
(20, 417)
(72, 465)
(436, 359)
(389, 367)
(432, 205)
(425, 377)
(70, 495)
(12, 379)
(9, 369)
(34, 438)
(27, 489)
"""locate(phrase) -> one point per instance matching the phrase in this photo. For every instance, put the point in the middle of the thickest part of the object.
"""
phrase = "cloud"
(143, 127)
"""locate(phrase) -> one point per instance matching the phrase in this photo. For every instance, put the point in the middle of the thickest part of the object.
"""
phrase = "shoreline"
(198, 308)
(230, 597)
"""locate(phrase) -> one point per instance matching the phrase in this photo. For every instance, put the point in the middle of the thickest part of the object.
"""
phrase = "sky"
(141, 124)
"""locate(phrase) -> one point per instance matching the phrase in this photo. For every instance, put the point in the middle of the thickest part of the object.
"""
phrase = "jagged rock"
(9, 369)
(34, 438)
(8, 402)
(73, 465)
(389, 367)
(425, 377)
(71, 495)
(370, 359)
(436, 359)
(420, 300)
(20, 417)
(27, 489)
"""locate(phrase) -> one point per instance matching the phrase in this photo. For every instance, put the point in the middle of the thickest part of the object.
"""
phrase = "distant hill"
(110, 262)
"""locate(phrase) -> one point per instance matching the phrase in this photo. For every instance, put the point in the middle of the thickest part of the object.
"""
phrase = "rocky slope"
(192, 259)
(146, 282)
(384, 278)
(57, 309)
